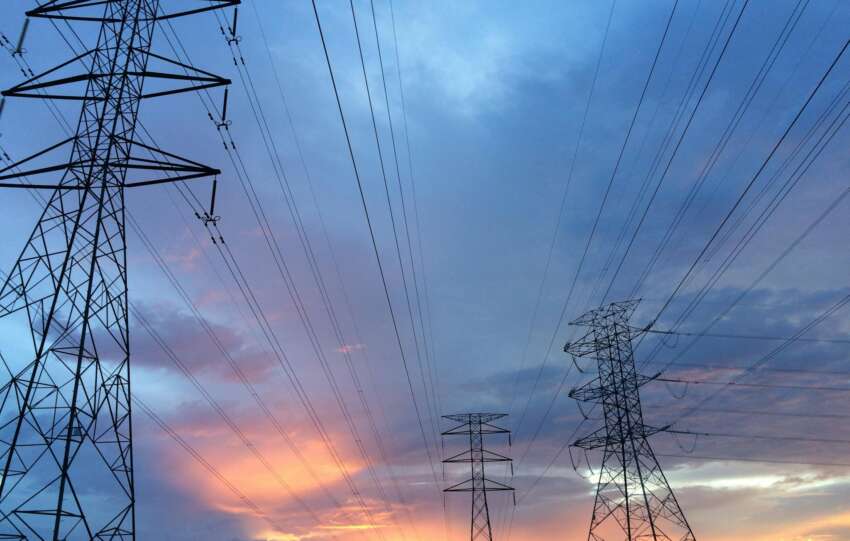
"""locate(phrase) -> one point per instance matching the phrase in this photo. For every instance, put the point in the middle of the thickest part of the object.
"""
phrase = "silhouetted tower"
(476, 426)
(65, 415)
(633, 498)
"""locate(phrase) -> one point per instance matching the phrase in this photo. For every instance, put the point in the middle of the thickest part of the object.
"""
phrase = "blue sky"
(500, 124)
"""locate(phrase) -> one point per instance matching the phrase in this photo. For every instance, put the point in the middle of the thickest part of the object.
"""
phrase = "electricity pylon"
(476, 426)
(65, 415)
(633, 497)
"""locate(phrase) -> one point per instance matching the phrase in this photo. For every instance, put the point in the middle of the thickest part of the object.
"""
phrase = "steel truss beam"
(66, 438)
(476, 426)
(633, 497)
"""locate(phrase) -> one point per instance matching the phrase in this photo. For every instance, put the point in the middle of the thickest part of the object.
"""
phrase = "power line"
(837, 201)
(688, 124)
(199, 458)
(763, 369)
(428, 402)
(765, 413)
(755, 460)
(731, 384)
(283, 182)
(576, 149)
(752, 181)
(432, 371)
(806, 439)
(374, 243)
(596, 224)
(749, 336)
(163, 265)
(421, 251)
(72, 274)
(320, 281)
(755, 85)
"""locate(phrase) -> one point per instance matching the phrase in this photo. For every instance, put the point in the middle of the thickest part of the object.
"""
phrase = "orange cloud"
(242, 468)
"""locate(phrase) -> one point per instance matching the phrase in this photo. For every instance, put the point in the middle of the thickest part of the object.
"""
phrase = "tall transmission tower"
(476, 426)
(633, 496)
(66, 438)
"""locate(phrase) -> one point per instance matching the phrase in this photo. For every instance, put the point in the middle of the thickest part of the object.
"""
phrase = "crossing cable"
(735, 383)
(681, 138)
(756, 336)
(552, 243)
(416, 218)
(199, 458)
(332, 451)
(785, 414)
(567, 444)
(432, 371)
(686, 97)
(262, 321)
(667, 140)
(781, 194)
(761, 437)
(736, 223)
(726, 385)
(266, 327)
(232, 425)
(311, 257)
(234, 365)
(729, 131)
(702, 64)
(568, 441)
(720, 368)
(274, 246)
(791, 77)
(414, 199)
(755, 460)
(715, 32)
(595, 225)
(562, 382)
(375, 246)
(702, 295)
(212, 335)
(752, 181)
(429, 403)
(766, 359)
(796, 336)
(823, 215)
(691, 87)
(778, 198)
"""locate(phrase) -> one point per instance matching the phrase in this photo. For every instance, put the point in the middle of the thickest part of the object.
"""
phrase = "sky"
(501, 129)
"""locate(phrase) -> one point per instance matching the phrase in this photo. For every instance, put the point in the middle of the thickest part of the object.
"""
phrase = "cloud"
(194, 347)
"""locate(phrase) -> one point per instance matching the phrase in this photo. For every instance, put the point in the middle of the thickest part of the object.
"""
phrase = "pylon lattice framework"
(633, 497)
(476, 426)
(65, 414)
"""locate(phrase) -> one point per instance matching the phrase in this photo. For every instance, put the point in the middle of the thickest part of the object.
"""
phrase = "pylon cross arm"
(60, 9)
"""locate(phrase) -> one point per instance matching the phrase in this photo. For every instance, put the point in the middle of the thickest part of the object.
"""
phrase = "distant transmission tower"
(476, 426)
(65, 419)
(633, 496)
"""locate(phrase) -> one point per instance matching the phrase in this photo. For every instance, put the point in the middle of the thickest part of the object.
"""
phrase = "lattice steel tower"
(633, 498)
(476, 426)
(65, 416)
